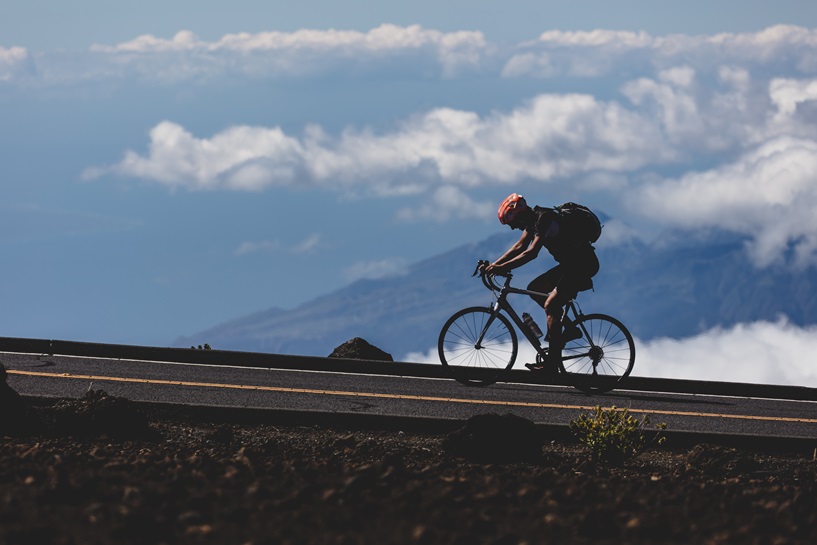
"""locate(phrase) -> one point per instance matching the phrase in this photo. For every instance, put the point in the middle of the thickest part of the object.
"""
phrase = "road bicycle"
(477, 343)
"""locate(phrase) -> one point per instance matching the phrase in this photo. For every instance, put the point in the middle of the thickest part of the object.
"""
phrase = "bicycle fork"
(496, 309)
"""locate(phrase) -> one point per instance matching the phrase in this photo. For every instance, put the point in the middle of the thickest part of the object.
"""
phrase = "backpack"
(580, 220)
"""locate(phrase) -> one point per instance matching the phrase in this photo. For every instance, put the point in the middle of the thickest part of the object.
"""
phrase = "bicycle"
(476, 342)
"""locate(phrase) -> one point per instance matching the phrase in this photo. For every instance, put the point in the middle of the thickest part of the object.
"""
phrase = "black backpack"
(580, 220)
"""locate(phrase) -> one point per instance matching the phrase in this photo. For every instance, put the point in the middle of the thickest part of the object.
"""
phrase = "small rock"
(359, 349)
(493, 438)
(15, 415)
(97, 413)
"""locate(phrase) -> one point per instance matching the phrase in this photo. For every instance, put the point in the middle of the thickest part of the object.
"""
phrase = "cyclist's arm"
(526, 249)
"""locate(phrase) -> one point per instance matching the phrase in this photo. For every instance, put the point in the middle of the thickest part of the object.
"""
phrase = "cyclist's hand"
(494, 269)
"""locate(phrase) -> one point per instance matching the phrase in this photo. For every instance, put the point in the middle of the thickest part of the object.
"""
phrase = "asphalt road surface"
(406, 397)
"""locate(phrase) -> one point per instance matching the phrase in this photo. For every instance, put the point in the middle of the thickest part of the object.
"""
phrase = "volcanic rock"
(493, 438)
(359, 349)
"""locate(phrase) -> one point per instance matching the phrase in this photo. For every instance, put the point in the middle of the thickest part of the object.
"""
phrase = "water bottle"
(531, 325)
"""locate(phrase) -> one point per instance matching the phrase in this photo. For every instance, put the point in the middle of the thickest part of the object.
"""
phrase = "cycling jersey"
(561, 244)
(577, 261)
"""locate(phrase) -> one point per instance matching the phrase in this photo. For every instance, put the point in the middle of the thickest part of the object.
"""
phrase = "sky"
(168, 166)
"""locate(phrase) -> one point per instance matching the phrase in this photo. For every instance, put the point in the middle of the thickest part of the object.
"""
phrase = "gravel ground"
(100, 470)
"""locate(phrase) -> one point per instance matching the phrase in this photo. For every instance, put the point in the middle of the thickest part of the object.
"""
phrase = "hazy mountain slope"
(397, 314)
(676, 290)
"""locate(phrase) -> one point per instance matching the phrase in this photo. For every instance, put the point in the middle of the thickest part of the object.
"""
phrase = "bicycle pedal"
(541, 368)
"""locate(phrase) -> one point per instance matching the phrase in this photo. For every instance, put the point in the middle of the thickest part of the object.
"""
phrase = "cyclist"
(576, 266)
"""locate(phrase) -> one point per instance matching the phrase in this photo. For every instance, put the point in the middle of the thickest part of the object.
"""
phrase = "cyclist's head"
(511, 208)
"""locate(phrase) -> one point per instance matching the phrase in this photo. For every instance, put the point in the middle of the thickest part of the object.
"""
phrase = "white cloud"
(668, 120)
(550, 136)
(239, 158)
(787, 94)
(618, 232)
(530, 65)
(248, 247)
(766, 192)
(598, 38)
(447, 203)
(778, 51)
(304, 51)
(734, 102)
(769, 194)
(755, 353)
(373, 270)
(758, 352)
(309, 245)
(15, 62)
(383, 38)
(606, 52)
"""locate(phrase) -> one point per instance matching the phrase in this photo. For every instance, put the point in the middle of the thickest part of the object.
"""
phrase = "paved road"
(335, 392)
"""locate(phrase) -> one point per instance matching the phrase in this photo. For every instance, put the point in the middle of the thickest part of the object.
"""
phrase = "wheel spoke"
(602, 357)
(458, 347)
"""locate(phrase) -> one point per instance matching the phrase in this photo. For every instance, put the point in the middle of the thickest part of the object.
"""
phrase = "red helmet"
(511, 207)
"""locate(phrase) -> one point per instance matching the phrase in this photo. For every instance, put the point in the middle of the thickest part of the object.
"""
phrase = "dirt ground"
(100, 471)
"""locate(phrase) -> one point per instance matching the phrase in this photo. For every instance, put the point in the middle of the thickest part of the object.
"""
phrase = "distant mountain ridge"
(675, 289)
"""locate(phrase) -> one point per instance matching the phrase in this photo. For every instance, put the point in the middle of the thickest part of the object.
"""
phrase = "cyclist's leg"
(577, 276)
(581, 280)
(544, 283)
(554, 301)
(555, 307)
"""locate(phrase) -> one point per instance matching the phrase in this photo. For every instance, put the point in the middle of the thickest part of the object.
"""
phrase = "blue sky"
(167, 166)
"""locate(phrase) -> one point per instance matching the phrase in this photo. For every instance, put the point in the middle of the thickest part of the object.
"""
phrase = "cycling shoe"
(541, 368)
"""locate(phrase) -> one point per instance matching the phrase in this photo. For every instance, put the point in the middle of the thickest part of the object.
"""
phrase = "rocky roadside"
(102, 470)
(99, 470)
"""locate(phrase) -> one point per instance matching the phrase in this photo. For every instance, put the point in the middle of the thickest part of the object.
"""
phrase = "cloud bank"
(451, 49)
(703, 132)
(393, 49)
(550, 136)
(768, 194)
(753, 353)
(603, 52)
(758, 138)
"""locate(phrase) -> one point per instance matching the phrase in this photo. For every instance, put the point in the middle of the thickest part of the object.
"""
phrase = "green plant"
(614, 435)
(205, 347)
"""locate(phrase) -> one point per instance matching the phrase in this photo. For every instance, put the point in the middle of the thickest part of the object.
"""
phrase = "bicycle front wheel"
(602, 357)
(474, 343)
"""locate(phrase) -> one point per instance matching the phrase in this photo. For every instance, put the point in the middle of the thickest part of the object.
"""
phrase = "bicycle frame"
(477, 342)
(502, 304)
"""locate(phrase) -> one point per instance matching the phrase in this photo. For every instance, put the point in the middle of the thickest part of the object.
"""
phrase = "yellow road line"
(399, 396)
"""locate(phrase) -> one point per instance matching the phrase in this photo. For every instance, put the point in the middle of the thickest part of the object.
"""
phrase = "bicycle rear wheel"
(602, 357)
(474, 343)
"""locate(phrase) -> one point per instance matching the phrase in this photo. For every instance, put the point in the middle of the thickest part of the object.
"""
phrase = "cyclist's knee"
(553, 308)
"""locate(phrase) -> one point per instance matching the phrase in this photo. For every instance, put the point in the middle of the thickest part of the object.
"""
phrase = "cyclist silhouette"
(576, 259)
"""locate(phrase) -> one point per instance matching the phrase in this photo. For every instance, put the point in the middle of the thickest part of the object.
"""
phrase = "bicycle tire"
(468, 363)
(601, 363)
